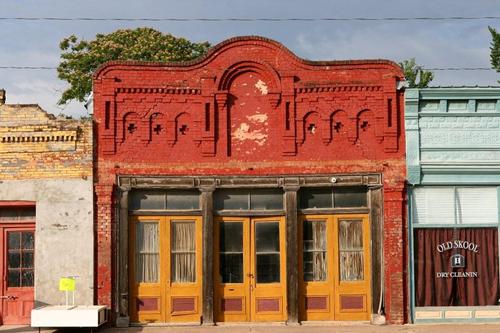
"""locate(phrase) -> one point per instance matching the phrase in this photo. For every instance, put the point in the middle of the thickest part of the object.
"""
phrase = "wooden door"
(165, 269)
(334, 267)
(353, 285)
(18, 257)
(232, 269)
(267, 269)
(250, 272)
(317, 270)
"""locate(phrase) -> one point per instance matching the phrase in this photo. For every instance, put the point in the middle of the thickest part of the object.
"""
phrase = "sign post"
(67, 284)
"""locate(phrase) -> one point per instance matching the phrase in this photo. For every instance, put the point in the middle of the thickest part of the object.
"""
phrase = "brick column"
(104, 244)
(395, 253)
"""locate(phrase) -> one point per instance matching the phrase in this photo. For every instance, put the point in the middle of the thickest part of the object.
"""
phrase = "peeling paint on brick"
(259, 118)
(261, 85)
(243, 133)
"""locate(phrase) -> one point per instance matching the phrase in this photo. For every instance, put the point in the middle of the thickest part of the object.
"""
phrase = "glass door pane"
(231, 252)
(20, 258)
(183, 251)
(267, 252)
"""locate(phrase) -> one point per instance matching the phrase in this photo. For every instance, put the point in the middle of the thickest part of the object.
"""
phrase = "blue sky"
(433, 43)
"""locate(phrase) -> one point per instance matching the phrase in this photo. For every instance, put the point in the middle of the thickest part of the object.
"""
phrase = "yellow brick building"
(46, 209)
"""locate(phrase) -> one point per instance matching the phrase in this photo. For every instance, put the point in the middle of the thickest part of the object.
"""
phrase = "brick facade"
(251, 107)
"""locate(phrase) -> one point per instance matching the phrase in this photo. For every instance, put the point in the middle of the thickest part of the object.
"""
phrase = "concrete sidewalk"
(280, 328)
(320, 328)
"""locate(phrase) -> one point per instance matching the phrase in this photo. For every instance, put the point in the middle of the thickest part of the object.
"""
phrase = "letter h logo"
(457, 260)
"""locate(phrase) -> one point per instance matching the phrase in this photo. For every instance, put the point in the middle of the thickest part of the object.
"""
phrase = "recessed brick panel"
(183, 304)
(316, 303)
(232, 304)
(351, 302)
(268, 304)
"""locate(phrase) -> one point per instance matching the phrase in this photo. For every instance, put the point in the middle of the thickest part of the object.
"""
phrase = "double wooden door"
(17, 266)
(250, 271)
(334, 267)
(165, 268)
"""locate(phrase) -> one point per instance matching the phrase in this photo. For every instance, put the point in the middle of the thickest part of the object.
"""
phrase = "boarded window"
(314, 250)
(351, 250)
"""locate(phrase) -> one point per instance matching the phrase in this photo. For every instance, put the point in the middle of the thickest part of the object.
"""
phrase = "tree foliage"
(415, 75)
(80, 58)
(495, 49)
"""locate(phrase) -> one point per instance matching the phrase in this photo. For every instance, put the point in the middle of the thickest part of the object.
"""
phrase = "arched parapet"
(270, 86)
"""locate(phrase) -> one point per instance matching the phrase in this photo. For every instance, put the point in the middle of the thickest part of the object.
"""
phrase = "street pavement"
(280, 328)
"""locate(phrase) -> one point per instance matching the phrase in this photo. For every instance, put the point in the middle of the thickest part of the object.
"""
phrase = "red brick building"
(250, 185)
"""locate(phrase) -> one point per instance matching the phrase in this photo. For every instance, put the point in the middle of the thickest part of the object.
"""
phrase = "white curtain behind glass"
(183, 251)
(147, 268)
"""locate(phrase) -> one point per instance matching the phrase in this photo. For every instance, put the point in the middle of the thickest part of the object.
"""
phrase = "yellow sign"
(67, 284)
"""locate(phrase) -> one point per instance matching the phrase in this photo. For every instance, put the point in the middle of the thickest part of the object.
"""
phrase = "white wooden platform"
(68, 316)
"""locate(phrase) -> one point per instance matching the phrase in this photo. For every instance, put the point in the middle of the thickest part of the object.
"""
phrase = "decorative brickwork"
(35, 144)
(251, 107)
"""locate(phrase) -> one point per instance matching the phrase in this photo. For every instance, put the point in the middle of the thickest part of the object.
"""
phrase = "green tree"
(495, 49)
(415, 75)
(80, 58)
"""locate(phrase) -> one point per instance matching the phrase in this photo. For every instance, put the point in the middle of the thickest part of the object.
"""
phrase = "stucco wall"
(48, 160)
(64, 241)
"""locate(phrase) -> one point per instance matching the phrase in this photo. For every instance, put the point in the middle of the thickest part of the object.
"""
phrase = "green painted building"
(453, 171)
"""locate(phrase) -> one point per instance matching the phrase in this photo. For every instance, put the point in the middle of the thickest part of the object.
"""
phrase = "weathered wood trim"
(249, 212)
(123, 318)
(376, 202)
(208, 256)
(312, 211)
(191, 182)
(292, 283)
(165, 212)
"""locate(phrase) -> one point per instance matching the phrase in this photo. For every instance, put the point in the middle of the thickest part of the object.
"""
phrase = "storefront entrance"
(250, 272)
(334, 267)
(249, 254)
(17, 236)
(165, 268)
